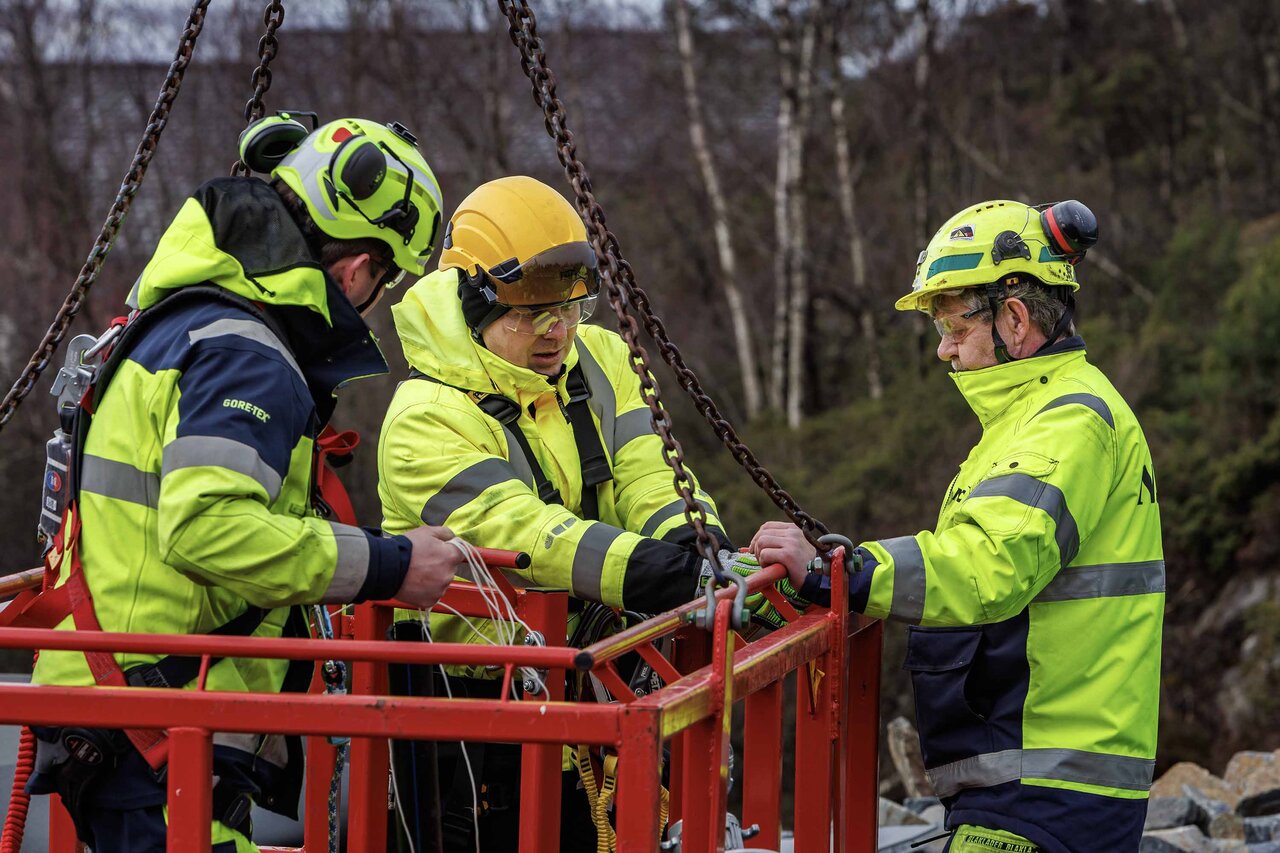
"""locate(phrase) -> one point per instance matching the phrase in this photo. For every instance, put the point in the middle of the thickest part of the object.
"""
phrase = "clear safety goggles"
(541, 320)
(946, 328)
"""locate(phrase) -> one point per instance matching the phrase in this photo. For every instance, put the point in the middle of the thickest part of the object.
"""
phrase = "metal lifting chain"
(615, 270)
(268, 46)
(156, 124)
(624, 293)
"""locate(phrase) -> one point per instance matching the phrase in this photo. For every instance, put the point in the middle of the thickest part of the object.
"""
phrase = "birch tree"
(846, 179)
(725, 256)
(791, 296)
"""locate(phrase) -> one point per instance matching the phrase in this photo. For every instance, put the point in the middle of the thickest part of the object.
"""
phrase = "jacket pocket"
(940, 661)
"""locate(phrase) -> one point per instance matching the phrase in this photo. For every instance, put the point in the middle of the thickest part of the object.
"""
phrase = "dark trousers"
(435, 790)
(134, 831)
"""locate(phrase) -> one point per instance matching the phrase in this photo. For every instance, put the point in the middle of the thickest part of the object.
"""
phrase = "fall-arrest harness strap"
(591, 453)
(53, 604)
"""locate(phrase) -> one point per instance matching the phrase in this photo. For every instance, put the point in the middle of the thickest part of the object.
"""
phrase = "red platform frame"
(836, 656)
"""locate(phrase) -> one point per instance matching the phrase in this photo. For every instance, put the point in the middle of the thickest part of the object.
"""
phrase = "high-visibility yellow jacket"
(1037, 604)
(195, 490)
(441, 460)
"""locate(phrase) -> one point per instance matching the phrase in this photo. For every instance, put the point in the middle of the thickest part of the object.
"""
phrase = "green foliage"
(1220, 423)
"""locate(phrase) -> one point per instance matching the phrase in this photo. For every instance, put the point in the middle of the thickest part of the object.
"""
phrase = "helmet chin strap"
(997, 293)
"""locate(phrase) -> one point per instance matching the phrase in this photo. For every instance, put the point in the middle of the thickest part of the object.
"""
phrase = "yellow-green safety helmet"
(357, 178)
(994, 240)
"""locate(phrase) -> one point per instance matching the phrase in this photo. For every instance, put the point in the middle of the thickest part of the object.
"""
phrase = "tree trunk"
(798, 307)
(727, 260)
(845, 180)
(920, 128)
(782, 204)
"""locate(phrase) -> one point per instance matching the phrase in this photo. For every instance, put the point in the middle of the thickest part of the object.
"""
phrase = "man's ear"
(1019, 321)
(344, 271)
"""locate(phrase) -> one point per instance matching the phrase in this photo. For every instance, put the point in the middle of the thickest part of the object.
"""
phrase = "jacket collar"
(992, 390)
(437, 342)
(237, 234)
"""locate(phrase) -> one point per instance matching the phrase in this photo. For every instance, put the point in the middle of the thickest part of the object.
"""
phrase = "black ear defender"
(1071, 227)
(360, 172)
(269, 140)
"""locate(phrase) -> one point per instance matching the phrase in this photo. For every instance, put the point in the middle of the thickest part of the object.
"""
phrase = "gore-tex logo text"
(257, 412)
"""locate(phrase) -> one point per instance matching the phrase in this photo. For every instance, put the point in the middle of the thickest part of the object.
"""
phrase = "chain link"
(156, 124)
(268, 47)
(625, 296)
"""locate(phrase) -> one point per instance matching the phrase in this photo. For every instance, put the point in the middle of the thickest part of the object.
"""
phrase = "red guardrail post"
(639, 780)
(762, 765)
(707, 749)
(814, 778)
(321, 756)
(190, 791)
(862, 736)
(370, 757)
(691, 651)
(540, 764)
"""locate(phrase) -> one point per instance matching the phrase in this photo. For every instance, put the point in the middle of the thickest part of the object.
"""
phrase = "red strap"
(49, 607)
(339, 445)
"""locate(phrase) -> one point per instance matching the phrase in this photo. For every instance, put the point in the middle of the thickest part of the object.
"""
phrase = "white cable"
(502, 614)
(395, 792)
(466, 759)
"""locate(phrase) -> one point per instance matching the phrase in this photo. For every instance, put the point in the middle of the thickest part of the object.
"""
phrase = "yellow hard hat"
(996, 240)
(518, 243)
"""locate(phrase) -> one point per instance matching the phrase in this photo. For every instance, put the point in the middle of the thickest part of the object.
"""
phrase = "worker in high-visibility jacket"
(1036, 603)
(522, 428)
(196, 480)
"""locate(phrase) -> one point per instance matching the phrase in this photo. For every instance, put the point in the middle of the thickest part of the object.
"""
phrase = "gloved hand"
(763, 613)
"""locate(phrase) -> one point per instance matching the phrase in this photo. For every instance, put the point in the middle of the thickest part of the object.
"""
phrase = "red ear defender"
(1071, 228)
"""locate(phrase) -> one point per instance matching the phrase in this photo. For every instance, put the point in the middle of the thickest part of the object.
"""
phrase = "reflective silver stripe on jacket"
(908, 579)
(195, 451)
(1062, 765)
(1090, 401)
(671, 510)
(1107, 580)
(250, 330)
(352, 565)
(588, 559)
(1026, 489)
(465, 486)
(634, 424)
(119, 480)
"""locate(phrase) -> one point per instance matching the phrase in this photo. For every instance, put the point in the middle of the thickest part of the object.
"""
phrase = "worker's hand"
(780, 542)
(432, 566)
(763, 613)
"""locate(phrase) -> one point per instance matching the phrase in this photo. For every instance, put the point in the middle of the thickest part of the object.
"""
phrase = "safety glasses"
(945, 325)
(537, 321)
(390, 274)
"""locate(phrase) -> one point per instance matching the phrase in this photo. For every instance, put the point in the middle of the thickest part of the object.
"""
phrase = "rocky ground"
(1191, 811)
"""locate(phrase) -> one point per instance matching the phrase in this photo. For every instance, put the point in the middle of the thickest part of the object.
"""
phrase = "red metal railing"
(836, 657)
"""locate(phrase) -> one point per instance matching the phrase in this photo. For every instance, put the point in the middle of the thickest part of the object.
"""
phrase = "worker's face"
(544, 353)
(965, 341)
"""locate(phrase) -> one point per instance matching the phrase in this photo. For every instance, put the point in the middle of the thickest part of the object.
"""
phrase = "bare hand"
(781, 542)
(432, 566)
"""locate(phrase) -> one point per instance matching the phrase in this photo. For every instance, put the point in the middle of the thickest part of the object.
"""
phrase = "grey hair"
(1045, 308)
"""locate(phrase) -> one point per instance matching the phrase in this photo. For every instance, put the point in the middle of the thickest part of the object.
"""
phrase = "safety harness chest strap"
(591, 453)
